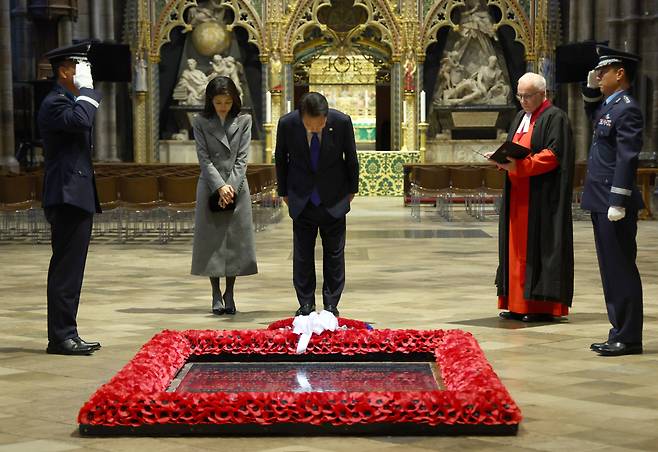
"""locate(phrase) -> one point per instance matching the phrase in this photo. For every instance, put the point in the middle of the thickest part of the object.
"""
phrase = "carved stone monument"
(472, 95)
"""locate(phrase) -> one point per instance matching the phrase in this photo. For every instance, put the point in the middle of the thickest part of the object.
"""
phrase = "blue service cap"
(608, 56)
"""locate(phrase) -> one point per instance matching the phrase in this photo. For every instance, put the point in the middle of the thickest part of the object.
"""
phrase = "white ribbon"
(525, 124)
(306, 325)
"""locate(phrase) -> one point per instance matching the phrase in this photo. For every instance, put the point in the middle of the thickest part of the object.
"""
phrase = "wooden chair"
(17, 200)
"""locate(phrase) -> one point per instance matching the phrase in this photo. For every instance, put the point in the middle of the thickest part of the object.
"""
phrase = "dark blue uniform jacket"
(65, 124)
(613, 157)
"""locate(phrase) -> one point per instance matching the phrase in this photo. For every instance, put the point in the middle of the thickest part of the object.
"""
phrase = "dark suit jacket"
(613, 157)
(338, 169)
(65, 124)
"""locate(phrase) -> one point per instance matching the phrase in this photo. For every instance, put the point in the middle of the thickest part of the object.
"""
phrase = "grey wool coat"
(223, 241)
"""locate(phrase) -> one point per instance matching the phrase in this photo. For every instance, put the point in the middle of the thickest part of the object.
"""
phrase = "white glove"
(592, 82)
(82, 77)
(616, 213)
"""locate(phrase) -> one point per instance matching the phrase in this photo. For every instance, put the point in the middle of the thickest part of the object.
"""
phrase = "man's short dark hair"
(313, 104)
(59, 62)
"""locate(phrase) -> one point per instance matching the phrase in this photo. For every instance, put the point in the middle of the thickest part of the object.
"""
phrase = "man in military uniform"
(65, 122)
(610, 194)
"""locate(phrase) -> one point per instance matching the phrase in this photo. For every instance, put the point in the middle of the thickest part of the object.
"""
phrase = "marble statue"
(462, 79)
(485, 86)
(229, 67)
(410, 72)
(276, 82)
(209, 35)
(191, 87)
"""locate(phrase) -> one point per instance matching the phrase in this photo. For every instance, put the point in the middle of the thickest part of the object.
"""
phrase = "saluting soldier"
(612, 197)
(70, 200)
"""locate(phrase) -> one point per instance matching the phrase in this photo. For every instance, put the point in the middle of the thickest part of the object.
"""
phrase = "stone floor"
(400, 274)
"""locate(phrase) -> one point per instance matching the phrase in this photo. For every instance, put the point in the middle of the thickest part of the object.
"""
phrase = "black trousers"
(332, 232)
(616, 250)
(70, 229)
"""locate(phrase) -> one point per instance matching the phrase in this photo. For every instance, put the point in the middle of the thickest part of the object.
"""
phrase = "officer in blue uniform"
(65, 121)
(610, 194)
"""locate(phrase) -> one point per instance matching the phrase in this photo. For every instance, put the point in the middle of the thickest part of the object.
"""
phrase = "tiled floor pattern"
(400, 274)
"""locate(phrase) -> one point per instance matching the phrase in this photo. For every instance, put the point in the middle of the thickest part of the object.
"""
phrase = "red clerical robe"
(535, 164)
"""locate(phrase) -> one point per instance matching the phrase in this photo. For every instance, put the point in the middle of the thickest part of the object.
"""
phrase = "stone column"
(23, 29)
(581, 27)
(101, 26)
(7, 158)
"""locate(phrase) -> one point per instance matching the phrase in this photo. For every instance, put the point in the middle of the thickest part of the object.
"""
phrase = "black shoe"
(509, 315)
(597, 345)
(69, 347)
(532, 318)
(331, 308)
(218, 306)
(305, 309)
(229, 308)
(619, 349)
(94, 345)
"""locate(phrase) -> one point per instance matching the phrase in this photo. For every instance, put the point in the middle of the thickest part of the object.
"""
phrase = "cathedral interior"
(425, 82)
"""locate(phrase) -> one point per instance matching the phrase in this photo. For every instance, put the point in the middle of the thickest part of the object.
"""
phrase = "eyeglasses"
(522, 97)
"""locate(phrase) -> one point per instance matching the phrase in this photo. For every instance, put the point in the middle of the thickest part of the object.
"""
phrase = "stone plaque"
(474, 118)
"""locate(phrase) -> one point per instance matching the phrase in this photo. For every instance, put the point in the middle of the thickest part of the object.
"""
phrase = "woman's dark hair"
(313, 104)
(218, 86)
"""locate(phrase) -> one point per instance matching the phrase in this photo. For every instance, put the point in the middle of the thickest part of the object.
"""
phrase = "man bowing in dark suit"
(70, 200)
(318, 176)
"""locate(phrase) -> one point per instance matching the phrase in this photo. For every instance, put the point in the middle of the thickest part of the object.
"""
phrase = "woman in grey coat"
(223, 240)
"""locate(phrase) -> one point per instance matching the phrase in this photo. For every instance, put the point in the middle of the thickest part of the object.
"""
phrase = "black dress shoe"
(331, 308)
(619, 349)
(532, 318)
(305, 309)
(69, 347)
(597, 345)
(94, 345)
(229, 306)
(218, 306)
(509, 315)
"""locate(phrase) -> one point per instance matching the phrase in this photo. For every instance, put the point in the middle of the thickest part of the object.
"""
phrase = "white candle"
(268, 107)
(289, 106)
(404, 112)
(422, 106)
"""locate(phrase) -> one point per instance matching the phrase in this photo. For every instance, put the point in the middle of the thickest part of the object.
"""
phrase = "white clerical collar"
(525, 123)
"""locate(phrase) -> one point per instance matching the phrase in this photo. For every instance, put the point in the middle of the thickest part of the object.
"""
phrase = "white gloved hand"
(616, 213)
(82, 77)
(592, 82)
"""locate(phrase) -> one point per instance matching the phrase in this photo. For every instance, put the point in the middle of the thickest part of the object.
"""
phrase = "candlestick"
(422, 106)
(268, 107)
(404, 111)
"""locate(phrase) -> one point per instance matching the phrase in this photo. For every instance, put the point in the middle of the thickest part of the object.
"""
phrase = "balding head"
(531, 91)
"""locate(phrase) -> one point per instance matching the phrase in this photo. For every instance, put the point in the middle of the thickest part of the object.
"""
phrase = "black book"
(511, 150)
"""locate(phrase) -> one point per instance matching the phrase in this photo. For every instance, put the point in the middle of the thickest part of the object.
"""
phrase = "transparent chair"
(179, 202)
(492, 192)
(429, 185)
(140, 212)
(465, 185)
(109, 221)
